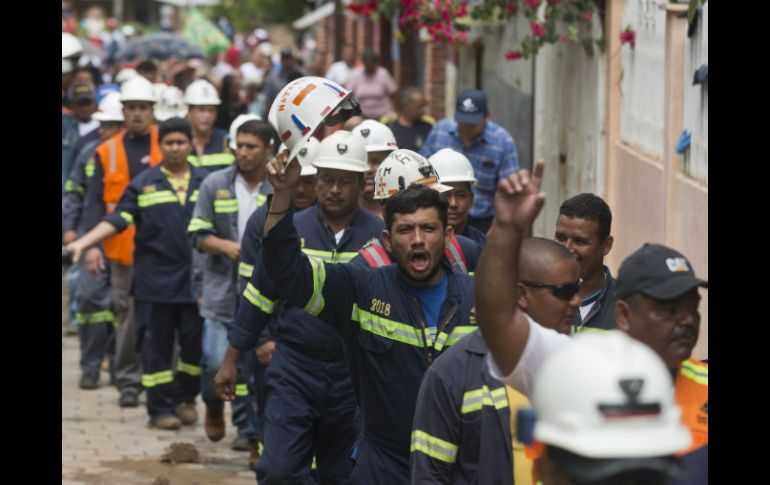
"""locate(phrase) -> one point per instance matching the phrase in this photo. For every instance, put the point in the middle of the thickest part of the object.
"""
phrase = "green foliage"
(247, 15)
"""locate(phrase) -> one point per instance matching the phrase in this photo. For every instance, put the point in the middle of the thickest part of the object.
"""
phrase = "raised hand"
(518, 199)
(283, 174)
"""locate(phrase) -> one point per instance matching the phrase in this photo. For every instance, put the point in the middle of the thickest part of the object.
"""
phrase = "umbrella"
(161, 45)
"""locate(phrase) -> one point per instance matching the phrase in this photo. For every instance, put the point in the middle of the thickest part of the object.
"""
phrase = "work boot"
(214, 423)
(166, 422)
(187, 413)
(129, 398)
(89, 380)
(254, 455)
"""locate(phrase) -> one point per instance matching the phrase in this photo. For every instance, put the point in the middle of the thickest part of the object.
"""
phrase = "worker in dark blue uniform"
(462, 425)
(210, 144)
(160, 202)
(395, 320)
(306, 415)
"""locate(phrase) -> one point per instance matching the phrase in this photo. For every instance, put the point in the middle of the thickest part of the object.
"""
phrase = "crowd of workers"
(358, 282)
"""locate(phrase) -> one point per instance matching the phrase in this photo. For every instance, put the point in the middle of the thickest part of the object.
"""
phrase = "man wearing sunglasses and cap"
(657, 304)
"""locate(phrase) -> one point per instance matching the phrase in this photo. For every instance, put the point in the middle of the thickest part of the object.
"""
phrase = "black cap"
(286, 52)
(592, 469)
(471, 106)
(80, 91)
(657, 271)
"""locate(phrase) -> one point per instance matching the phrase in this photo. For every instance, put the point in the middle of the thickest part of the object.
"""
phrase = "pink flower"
(511, 9)
(537, 29)
(462, 36)
(564, 38)
(462, 11)
(586, 15)
(532, 3)
(512, 55)
(628, 36)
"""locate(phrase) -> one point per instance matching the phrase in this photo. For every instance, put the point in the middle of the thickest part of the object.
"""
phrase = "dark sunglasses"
(562, 292)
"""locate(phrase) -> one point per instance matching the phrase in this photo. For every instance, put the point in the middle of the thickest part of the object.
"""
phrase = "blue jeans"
(214, 346)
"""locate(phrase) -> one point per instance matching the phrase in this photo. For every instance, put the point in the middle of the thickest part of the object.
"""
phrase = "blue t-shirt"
(431, 297)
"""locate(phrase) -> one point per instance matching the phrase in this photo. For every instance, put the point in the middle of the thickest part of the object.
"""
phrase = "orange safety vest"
(112, 154)
(692, 397)
(376, 256)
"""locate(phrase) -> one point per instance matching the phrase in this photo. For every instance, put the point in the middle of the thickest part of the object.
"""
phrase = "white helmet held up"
(306, 156)
(401, 169)
(341, 150)
(304, 104)
(237, 122)
(137, 89)
(110, 108)
(608, 396)
(378, 137)
(70, 45)
(201, 93)
(170, 103)
(452, 166)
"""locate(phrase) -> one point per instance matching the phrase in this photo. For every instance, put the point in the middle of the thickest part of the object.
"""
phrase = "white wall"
(696, 108)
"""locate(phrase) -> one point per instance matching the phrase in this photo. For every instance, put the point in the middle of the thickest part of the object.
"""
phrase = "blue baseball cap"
(471, 106)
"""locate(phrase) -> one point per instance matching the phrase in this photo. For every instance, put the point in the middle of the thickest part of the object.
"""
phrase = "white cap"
(402, 168)
(376, 136)
(70, 45)
(608, 396)
(137, 89)
(341, 150)
(237, 122)
(66, 66)
(306, 156)
(303, 105)
(125, 74)
(201, 93)
(170, 103)
(110, 108)
(452, 166)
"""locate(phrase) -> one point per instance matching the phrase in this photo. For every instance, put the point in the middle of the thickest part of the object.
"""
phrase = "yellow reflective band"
(193, 370)
(477, 399)
(225, 206)
(388, 329)
(258, 299)
(245, 270)
(261, 199)
(193, 159)
(198, 224)
(213, 159)
(70, 186)
(329, 256)
(194, 196)
(458, 333)
(152, 380)
(695, 372)
(472, 273)
(156, 198)
(241, 390)
(126, 216)
(316, 303)
(433, 447)
(576, 329)
(313, 466)
(89, 168)
(104, 316)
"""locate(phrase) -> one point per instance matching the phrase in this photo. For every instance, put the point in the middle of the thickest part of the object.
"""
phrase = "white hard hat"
(452, 166)
(128, 30)
(341, 150)
(110, 108)
(306, 156)
(137, 89)
(237, 122)
(70, 45)
(608, 396)
(125, 74)
(201, 93)
(170, 103)
(66, 66)
(304, 104)
(402, 168)
(376, 136)
(266, 49)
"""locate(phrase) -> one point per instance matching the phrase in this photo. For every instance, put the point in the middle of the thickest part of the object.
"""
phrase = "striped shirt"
(492, 155)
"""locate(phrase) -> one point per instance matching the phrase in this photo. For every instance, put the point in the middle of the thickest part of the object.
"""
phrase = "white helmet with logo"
(201, 93)
(304, 104)
(237, 122)
(378, 137)
(170, 103)
(452, 166)
(342, 150)
(70, 45)
(608, 396)
(110, 108)
(306, 156)
(401, 169)
(137, 89)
